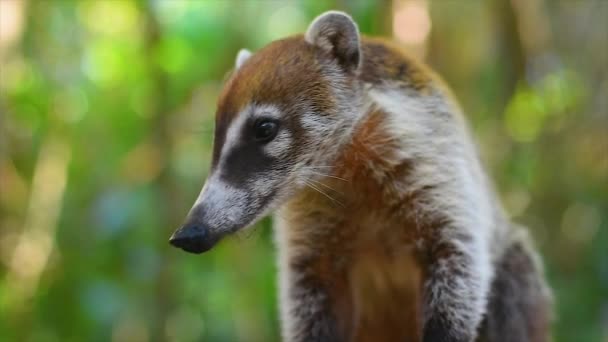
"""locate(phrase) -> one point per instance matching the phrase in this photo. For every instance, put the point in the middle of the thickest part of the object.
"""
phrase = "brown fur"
(385, 61)
(288, 69)
(386, 292)
(281, 73)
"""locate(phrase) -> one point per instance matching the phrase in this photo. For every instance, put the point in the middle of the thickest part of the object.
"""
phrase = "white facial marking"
(227, 205)
(275, 148)
(232, 134)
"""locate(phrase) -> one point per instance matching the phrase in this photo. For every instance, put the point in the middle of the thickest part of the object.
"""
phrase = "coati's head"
(281, 119)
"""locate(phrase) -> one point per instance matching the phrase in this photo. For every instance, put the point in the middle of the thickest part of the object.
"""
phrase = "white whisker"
(325, 185)
(326, 175)
(312, 186)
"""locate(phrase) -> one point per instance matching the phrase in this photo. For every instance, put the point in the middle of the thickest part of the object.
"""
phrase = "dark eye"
(265, 130)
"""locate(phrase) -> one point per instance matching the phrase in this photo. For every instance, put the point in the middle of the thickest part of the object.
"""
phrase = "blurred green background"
(106, 130)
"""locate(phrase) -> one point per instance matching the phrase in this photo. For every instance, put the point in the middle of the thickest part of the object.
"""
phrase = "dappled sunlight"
(142, 164)
(130, 328)
(11, 22)
(580, 223)
(412, 24)
(185, 324)
(36, 242)
(531, 108)
(107, 115)
(118, 19)
(288, 19)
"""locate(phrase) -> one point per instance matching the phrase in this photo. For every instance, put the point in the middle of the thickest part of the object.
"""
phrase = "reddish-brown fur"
(279, 73)
(286, 70)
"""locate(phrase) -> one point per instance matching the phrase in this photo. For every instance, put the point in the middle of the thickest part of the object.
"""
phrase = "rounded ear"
(241, 57)
(336, 33)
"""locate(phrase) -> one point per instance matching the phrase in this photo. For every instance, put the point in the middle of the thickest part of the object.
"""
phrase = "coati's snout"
(195, 235)
(193, 239)
(220, 209)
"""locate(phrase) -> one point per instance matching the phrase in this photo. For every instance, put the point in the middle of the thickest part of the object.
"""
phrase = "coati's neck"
(363, 176)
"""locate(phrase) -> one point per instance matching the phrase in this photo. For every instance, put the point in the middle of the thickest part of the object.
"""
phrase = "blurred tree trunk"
(535, 35)
(46, 189)
(159, 110)
(525, 42)
(510, 48)
(384, 18)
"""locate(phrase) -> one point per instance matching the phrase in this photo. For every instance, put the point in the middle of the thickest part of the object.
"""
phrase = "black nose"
(193, 239)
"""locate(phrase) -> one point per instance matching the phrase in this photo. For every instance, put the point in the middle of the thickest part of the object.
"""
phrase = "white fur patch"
(233, 134)
(275, 148)
(224, 203)
(445, 162)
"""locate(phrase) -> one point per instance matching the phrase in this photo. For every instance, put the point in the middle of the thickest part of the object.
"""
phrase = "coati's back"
(387, 227)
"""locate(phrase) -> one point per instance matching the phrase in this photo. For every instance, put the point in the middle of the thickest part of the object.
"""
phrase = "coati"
(387, 227)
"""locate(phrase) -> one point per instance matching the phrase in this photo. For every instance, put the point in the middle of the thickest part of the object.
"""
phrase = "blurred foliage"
(106, 119)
